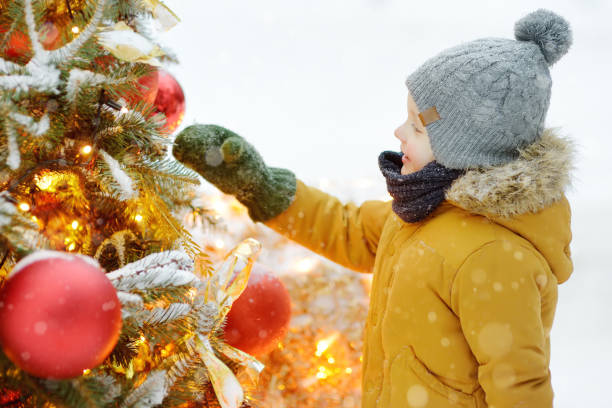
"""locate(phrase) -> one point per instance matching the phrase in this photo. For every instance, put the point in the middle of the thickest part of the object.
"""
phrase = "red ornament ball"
(149, 85)
(18, 45)
(146, 90)
(260, 317)
(170, 100)
(59, 315)
(9, 398)
(50, 37)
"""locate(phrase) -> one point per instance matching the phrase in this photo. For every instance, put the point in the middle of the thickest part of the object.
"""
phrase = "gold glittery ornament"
(62, 12)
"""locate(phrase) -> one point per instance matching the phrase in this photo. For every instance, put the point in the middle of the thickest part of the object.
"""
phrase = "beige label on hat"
(429, 116)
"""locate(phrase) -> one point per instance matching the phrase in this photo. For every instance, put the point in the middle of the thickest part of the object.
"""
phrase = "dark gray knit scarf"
(415, 195)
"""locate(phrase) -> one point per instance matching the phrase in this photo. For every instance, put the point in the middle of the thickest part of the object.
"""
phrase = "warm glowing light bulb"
(321, 375)
(324, 344)
(219, 243)
(138, 217)
(75, 29)
(142, 338)
(192, 293)
(86, 149)
(24, 207)
(331, 360)
(86, 371)
(44, 182)
(348, 370)
(75, 224)
(124, 110)
(218, 205)
(71, 247)
(305, 265)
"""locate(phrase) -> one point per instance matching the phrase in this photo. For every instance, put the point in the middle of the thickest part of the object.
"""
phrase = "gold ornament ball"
(62, 12)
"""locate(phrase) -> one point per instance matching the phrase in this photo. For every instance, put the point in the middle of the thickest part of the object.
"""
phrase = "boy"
(468, 255)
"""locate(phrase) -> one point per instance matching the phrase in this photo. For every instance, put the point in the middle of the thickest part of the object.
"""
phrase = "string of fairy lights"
(46, 182)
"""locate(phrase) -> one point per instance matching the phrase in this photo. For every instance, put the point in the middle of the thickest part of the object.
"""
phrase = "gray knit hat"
(492, 94)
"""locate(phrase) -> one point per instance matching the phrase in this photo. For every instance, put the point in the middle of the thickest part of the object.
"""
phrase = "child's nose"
(397, 133)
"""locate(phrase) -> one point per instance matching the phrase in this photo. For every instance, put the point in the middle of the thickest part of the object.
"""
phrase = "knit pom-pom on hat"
(548, 30)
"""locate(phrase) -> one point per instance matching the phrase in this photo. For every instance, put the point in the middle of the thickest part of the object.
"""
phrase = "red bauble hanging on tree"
(146, 86)
(50, 37)
(260, 317)
(146, 89)
(149, 85)
(170, 100)
(59, 315)
(18, 44)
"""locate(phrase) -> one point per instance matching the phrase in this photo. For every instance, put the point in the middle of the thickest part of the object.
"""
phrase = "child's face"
(415, 141)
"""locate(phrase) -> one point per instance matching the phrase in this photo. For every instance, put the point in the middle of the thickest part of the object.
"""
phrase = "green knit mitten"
(235, 167)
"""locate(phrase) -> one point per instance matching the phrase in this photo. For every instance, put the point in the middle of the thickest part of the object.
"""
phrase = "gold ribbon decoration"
(127, 45)
(225, 286)
(162, 13)
(227, 388)
(231, 277)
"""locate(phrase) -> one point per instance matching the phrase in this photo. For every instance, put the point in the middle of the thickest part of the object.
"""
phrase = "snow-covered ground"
(317, 86)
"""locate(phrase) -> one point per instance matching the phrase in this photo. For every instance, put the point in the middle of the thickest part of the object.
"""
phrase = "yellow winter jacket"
(462, 302)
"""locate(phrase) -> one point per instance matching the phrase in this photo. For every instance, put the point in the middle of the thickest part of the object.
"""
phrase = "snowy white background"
(317, 87)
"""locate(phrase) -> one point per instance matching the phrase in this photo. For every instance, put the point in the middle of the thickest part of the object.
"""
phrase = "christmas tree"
(87, 188)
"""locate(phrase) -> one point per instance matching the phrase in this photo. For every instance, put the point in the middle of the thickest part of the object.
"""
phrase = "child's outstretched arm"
(498, 294)
(346, 234)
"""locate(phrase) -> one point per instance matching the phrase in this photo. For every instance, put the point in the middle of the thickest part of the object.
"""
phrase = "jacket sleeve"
(499, 294)
(344, 233)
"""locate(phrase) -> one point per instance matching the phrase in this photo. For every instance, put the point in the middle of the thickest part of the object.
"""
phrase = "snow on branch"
(163, 269)
(42, 78)
(70, 49)
(29, 18)
(151, 393)
(41, 73)
(160, 315)
(7, 67)
(7, 209)
(129, 299)
(148, 26)
(80, 78)
(13, 159)
(183, 364)
(124, 181)
(36, 128)
(207, 316)
(130, 303)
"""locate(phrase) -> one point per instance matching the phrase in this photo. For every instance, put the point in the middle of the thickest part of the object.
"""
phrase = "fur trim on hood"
(536, 180)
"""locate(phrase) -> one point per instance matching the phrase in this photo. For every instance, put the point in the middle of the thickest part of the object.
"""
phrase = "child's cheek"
(411, 151)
